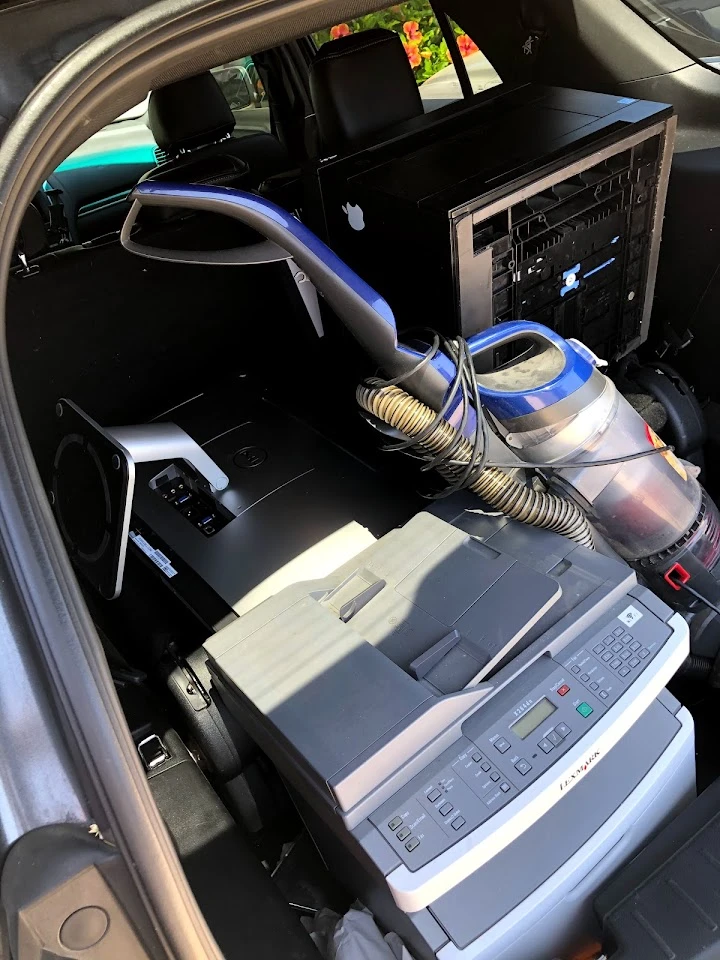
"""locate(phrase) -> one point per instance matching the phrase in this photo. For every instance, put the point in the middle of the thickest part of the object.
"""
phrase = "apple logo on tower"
(355, 216)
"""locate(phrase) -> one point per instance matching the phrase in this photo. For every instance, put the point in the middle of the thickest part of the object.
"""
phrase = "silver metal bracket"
(166, 441)
(308, 292)
(94, 482)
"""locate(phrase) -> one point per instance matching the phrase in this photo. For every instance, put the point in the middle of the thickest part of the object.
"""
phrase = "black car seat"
(360, 85)
(192, 123)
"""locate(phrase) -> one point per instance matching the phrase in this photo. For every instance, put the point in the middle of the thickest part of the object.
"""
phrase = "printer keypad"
(594, 673)
(465, 790)
(488, 774)
(457, 802)
(617, 657)
(480, 775)
(417, 836)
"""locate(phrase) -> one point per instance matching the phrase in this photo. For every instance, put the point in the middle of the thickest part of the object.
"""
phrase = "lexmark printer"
(472, 720)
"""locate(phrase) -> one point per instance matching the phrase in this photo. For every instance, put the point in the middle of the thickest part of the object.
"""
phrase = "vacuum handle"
(362, 309)
(364, 312)
(512, 330)
(530, 383)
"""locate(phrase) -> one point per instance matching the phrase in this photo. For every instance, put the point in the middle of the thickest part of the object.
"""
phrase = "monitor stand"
(93, 482)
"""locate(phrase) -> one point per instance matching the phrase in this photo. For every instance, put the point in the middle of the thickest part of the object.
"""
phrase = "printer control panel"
(518, 735)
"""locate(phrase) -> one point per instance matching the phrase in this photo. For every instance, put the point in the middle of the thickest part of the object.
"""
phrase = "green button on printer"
(584, 709)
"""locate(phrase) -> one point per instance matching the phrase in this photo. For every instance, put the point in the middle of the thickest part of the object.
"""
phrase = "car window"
(432, 61)
(128, 138)
(693, 25)
(245, 93)
(134, 113)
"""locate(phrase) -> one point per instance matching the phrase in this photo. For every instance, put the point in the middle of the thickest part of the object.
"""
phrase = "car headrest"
(360, 85)
(189, 113)
(169, 225)
(209, 166)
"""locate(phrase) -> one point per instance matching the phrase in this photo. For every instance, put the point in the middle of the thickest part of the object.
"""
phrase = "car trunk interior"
(143, 338)
(265, 379)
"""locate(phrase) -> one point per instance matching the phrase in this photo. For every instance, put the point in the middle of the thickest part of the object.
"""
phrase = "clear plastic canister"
(641, 506)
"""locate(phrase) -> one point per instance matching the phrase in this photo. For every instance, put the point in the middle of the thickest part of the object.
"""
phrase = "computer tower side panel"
(576, 250)
(399, 248)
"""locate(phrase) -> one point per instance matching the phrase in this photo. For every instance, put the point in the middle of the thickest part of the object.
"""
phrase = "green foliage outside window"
(426, 49)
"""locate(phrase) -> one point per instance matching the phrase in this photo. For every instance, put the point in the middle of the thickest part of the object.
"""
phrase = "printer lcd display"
(533, 718)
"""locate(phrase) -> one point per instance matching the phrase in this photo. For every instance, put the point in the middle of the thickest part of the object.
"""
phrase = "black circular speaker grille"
(82, 497)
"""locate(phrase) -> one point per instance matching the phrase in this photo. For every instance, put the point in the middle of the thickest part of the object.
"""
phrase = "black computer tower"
(529, 203)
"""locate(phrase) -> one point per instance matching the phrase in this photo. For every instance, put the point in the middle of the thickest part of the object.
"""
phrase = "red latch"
(677, 576)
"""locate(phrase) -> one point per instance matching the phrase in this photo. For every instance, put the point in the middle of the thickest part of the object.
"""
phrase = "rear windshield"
(693, 25)
(433, 62)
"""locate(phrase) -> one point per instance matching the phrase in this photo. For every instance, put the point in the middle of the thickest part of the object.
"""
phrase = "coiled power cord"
(437, 438)
(464, 462)
(461, 461)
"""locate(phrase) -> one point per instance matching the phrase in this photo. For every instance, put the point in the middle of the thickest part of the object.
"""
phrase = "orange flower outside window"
(413, 54)
(340, 30)
(411, 29)
(466, 45)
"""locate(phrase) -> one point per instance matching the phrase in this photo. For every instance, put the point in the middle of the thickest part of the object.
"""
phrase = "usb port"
(194, 503)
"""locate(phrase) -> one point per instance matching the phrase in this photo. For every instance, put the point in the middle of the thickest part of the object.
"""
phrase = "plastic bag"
(355, 937)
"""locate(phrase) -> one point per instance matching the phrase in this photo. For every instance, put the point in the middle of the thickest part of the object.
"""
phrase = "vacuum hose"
(696, 668)
(413, 418)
